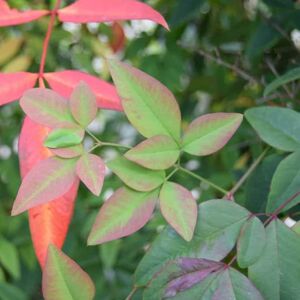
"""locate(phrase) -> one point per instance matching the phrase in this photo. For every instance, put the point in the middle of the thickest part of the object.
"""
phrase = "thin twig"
(129, 297)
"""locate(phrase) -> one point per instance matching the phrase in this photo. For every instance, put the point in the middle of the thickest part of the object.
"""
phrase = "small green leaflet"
(83, 104)
(63, 279)
(291, 75)
(124, 213)
(278, 127)
(157, 153)
(150, 106)
(64, 137)
(135, 176)
(179, 208)
(251, 242)
(210, 133)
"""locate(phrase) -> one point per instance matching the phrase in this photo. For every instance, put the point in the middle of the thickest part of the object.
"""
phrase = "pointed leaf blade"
(68, 152)
(210, 133)
(124, 213)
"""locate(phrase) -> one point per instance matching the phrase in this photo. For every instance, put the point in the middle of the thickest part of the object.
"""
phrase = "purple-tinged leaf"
(179, 208)
(68, 152)
(209, 133)
(157, 153)
(63, 279)
(83, 104)
(124, 213)
(90, 169)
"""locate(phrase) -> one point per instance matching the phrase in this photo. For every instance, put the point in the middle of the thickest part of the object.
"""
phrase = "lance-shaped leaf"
(210, 133)
(276, 273)
(187, 278)
(157, 153)
(90, 169)
(63, 279)
(64, 83)
(47, 108)
(179, 208)
(84, 11)
(13, 85)
(251, 242)
(135, 176)
(83, 104)
(64, 137)
(68, 152)
(47, 180)
(278, 127)
(9, 17)
(124, 213)
(149, 105)
(49, 222)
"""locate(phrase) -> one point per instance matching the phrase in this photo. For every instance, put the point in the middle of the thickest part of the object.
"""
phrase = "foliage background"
(254, 36)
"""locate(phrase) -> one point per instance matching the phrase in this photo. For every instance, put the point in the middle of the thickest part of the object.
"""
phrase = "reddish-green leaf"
(179, 208)
(64, 137)
(63, 279)
(157, 153)
(210, 133)
(68, 152)
(83, 104)
(46, 107)
(90, 169)
(124, 213)
(135, 176)
(149, 105)
(48, 180)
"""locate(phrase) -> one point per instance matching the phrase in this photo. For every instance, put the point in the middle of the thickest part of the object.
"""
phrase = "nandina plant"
(217, 249)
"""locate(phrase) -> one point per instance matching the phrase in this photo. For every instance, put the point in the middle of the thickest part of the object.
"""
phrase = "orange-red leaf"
(49, 222)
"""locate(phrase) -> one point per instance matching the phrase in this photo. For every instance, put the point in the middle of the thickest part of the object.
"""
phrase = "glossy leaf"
(49, 222)
(90, 169)
(210, 133)
(278, 127)
(48, 180)
(149, 105)
(85, 11)
(251, 242)
(179, 208)
(217, 230)
(157, 153)
(63, 279)
(64, 137)
(13, 85)
(68, 152)
(64, 82)
(83, 104)
(124, 213)
(285, 183)
(289, 76)
(276, 273)
(47, 108)
(135, 176)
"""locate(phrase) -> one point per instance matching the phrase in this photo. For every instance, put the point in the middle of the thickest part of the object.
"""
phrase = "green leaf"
(209, 133)
(276, 274)
(289, 76)
(124, 213)
(218, 227)
(63, 279)
(285, 183)
(157, 153)
(135, 176)
(179, 208)
(68, 152)
(109, 253)
(251, 242)
(278, 127)
(9, 292)
(83, 104)
(64, 137)
(149, 106)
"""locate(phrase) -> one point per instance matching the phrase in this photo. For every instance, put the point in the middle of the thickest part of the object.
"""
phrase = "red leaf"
(9, 17)
(84, 11)
(49, 222)
(13, 85)
(118, 38)
(65, 81)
